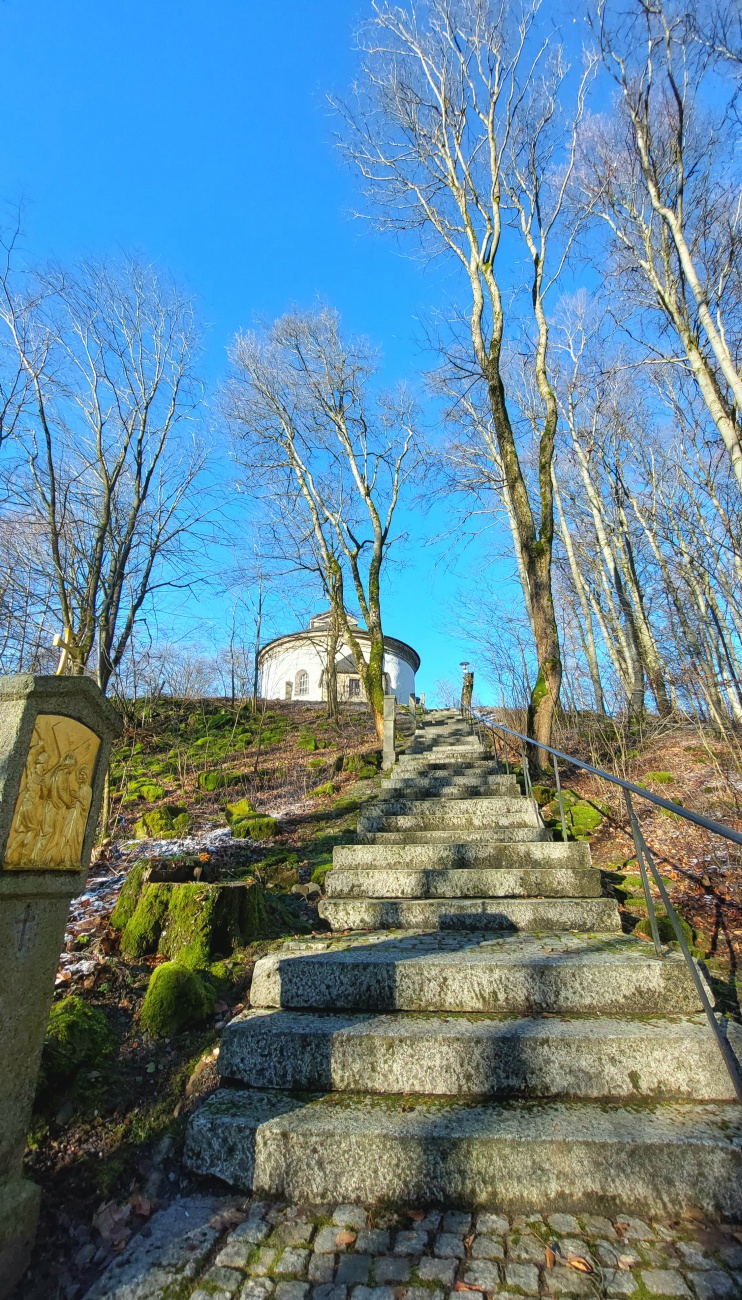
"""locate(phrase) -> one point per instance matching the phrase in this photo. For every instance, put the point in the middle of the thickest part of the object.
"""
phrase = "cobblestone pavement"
(208, 1248)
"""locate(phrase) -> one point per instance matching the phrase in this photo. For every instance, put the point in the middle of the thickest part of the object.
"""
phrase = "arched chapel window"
(302, 683)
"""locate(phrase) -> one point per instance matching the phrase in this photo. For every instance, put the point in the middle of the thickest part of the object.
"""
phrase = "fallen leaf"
(417, 1215)
(111, 1220)
(626, 1261)
(464, 1286)
(550, 1257)
(141, 1205)
(345, 1238)
(582, 1266)
(468, 1241)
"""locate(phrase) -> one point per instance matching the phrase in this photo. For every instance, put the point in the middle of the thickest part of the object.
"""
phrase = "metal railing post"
(725, 1047)
(561, 801)
(389, 753)
(644, 858)
(639, 846)
(528, 783)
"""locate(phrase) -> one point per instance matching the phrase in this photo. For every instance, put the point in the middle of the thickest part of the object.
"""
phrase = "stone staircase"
(485, 1035)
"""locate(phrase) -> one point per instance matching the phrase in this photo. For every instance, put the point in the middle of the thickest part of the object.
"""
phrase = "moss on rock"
(142, 931)
(152, 791)
(129, 897)
(154, 825)
(216, 780)
(176, 996)
(166, 823)
(194, 921)
(254, 828)
(666, 931)
(238, 811)
(323, 790)
(77, 1035)
(319, 873)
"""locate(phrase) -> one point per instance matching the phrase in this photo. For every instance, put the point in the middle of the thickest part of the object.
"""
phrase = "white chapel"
(293, 667)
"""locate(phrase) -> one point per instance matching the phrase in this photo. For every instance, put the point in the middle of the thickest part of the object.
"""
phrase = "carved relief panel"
(53, 804)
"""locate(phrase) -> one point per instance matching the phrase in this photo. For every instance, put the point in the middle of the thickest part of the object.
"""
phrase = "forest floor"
(105, 1147)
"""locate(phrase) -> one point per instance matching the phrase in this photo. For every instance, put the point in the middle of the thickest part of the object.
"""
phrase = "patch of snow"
(210, 839)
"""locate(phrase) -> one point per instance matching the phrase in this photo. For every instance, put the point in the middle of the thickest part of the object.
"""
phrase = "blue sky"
(199, 135)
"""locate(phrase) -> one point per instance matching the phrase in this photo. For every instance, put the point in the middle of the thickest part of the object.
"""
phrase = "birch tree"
(662, 175)
(458, 131)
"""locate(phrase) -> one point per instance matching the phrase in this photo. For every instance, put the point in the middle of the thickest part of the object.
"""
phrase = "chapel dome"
(293, 666)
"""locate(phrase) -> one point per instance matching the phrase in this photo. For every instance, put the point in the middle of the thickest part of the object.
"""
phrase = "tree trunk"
(331, 677)
(579, 585)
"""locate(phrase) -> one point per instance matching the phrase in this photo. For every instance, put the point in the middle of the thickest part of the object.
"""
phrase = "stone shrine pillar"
(467, 690)
(55, 740)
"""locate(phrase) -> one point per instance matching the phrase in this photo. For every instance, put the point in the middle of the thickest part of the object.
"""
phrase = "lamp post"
(467, 685)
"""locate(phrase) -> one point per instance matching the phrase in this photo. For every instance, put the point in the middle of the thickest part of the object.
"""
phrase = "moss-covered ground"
(107, 1132)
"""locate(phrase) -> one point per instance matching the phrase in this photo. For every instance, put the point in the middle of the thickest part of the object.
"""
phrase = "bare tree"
(662, 174)
(107, 455)
(458, 132)
(304, 416)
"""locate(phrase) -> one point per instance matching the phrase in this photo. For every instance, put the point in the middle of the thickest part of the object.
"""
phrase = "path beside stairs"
(486, 1036)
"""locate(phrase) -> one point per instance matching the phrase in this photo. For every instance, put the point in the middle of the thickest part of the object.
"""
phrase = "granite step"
(575, 1156)
(409, 765)
(462, 882)
(492, 835)
(446, 753)
(485, 854)
(519, 975)
(410, 787)
(458, 1056)
(442, 814)
(531, 914)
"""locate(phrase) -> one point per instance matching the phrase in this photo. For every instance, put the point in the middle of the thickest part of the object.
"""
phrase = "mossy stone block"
(216, 780)
(238, 811)
(254, 828)
(176, 996)
(166, 823)
(77, 1035)
(154, 825)
(146, 790)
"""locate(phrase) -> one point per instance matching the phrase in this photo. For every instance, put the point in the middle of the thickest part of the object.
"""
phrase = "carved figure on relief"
(54, 799)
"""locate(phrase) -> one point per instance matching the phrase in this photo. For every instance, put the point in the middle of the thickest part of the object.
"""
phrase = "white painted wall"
(282, 664)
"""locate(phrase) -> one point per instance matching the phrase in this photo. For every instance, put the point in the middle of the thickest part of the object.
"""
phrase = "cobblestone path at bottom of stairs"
(216, 1248)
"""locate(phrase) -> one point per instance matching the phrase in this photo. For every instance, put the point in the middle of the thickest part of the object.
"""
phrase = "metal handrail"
(643, 855)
